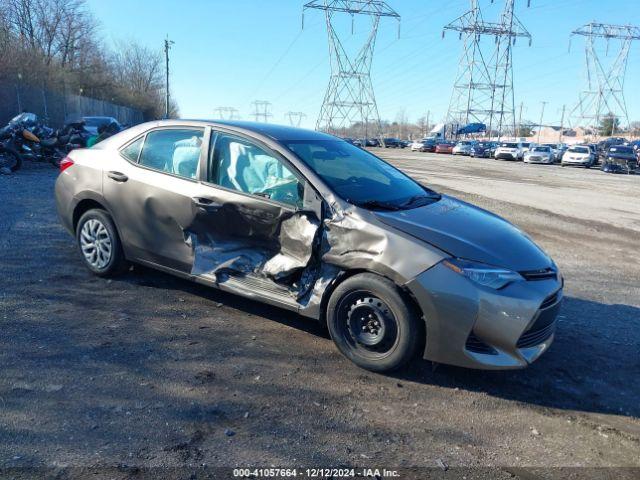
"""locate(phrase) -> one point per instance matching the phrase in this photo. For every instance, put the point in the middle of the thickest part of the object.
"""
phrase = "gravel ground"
(151, 371)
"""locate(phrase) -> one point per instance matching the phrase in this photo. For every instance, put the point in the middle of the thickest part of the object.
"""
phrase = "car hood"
(622, 156)
(469, 232)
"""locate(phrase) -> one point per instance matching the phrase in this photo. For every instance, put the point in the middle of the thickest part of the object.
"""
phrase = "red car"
(444, 148)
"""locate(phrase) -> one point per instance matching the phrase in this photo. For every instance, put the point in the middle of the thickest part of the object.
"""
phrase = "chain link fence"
(54, 108)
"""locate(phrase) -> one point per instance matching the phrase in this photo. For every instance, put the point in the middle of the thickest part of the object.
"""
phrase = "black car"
(393, 143)
(483, 149)
(620, 159)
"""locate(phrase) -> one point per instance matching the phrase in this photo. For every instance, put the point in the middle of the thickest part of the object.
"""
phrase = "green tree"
(609, 125)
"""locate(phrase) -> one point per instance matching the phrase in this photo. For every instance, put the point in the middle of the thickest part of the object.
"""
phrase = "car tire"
(99, 244)
(373, 324)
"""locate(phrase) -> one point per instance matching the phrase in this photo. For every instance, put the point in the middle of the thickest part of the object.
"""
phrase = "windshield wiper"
(378, 205)
(434, 197)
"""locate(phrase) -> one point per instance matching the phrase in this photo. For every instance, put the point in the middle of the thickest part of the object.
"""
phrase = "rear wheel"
(99, 244)
(10, 159)
(372, 323)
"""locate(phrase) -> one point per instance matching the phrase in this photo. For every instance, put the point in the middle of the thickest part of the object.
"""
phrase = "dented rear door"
(149, 191)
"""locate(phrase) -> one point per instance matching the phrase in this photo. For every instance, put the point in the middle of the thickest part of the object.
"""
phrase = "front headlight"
(482, 274)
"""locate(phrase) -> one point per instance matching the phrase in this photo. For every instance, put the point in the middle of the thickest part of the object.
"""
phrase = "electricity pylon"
(483, 89)
(295, 118)
(227, 113)
(262, 111)
(350, 98)
(604, 93)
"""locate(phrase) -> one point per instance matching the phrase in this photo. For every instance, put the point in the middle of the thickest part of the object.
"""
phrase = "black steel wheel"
(373, 324)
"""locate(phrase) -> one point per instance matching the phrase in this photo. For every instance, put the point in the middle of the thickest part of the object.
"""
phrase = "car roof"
(276, 132)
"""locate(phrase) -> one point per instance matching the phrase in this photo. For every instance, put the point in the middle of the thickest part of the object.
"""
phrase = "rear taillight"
(65, 163)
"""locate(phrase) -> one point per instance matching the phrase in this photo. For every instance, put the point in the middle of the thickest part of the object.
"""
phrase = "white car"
(509, 151)
(540, 154)
(463, 148)
(417, 145)
(580, 156)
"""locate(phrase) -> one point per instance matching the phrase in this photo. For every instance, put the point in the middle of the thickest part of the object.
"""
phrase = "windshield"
(359, 177)
(24, 117)
(542, 149)
(509, 145)
(579, 149)
(627, 150)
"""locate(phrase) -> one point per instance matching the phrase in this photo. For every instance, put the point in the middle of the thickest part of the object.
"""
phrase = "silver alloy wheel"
(95, 243)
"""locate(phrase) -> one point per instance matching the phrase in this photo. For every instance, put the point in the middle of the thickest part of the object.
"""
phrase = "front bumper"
(506, 156)
(577, 162)
(538, 159)
(474, 327)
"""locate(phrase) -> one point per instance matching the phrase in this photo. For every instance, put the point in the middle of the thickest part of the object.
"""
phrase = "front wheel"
(372, 324)
(10, 159)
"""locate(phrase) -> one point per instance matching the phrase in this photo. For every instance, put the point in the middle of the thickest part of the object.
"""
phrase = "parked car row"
(614, 156)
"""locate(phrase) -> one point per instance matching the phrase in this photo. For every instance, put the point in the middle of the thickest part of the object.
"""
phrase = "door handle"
(117, 176)
(206, 203)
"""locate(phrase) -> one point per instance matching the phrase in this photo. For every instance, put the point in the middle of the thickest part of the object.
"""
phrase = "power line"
(483, 89)
(349, 98)
(604, 93)
(295, 118)
(262, 111)
(227, 113)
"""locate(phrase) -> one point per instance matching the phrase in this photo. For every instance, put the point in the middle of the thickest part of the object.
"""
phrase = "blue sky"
(231, 52)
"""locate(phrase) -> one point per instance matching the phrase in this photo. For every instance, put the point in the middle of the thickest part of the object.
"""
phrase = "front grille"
(550, 300)
(544, 274)
(535, 337)
(474, 344)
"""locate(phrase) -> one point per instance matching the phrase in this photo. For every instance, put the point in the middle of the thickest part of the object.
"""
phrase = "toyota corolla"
(307, 222)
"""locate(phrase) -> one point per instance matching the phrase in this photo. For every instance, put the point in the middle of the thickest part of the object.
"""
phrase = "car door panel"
(247, 235)
(152, 209)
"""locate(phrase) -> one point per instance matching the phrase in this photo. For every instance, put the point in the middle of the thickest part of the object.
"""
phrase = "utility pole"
(520, 120)
(426, 127)
(483, 90)
(564, 110)
(604, 94)
(227, 113)
(544, 104)
(262, 111)
(349, 98)
(167, 47)
(295, 118)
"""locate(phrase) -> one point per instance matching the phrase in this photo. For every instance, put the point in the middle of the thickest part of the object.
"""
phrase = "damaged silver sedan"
(307, 222)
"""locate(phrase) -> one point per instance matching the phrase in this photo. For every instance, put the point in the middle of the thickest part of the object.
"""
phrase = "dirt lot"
(148, 370)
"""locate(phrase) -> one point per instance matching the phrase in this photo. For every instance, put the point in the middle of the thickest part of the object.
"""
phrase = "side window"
(132, 151)
(173, 151)
(238, 164)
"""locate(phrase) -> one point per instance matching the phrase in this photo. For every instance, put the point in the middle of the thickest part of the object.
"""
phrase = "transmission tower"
(604, 94)
(262, 111)
(227, 113)
(483, 89)
(349, 98)
(296, 118)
